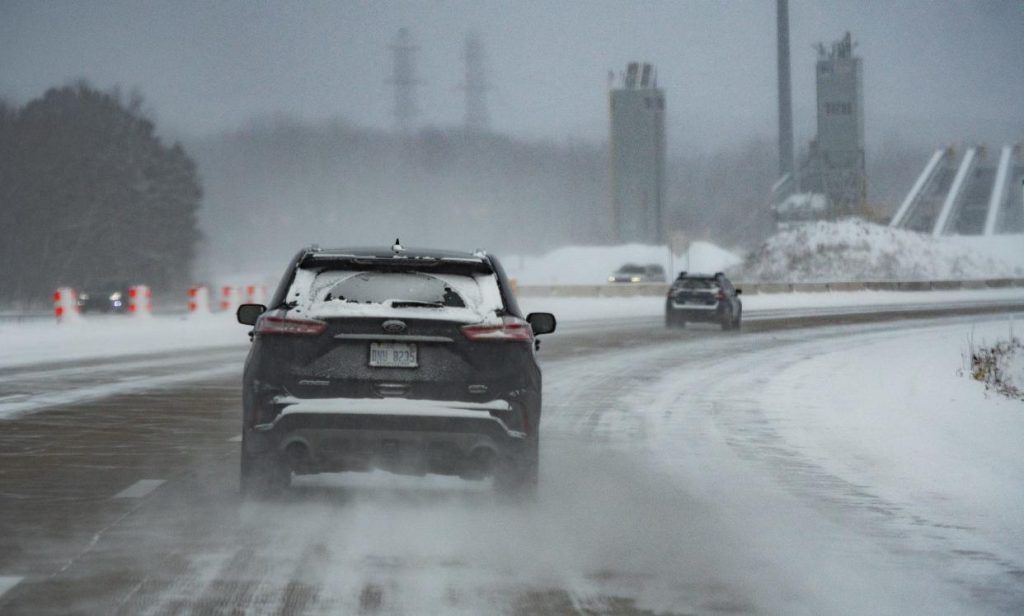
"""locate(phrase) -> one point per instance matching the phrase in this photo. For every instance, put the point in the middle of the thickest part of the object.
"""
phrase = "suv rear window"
(698, 283)
(403, 288)
(469, 297)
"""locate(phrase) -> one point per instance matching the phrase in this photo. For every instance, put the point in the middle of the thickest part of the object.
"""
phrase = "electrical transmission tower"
(403, 78)
(475, 84)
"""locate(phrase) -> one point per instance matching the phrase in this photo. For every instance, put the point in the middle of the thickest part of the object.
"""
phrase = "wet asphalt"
(128, 503)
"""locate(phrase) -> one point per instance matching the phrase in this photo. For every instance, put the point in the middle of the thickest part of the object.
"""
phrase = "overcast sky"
(935, 70)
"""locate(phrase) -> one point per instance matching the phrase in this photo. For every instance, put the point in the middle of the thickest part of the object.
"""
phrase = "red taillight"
(295, 327)
(510, 329)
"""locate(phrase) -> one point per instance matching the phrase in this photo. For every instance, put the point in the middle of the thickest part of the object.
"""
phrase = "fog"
(207, 67)
(230, 79)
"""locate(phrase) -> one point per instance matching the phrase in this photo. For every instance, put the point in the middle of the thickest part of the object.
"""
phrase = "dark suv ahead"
(631, 272)
(703, 297)
(411, 361)
(105, 297)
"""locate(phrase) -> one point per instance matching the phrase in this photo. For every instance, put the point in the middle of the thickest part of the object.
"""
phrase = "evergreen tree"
(89, 193)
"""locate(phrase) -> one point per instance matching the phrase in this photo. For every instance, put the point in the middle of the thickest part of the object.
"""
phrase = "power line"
(475, 85)
(404, 80)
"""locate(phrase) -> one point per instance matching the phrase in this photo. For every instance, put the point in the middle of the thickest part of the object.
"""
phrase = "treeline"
(280, 184)
(89, 193)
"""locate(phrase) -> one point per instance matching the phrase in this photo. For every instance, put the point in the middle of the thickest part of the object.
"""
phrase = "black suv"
(702, 297)
(105, 297)
(631, 272)
(412, 361)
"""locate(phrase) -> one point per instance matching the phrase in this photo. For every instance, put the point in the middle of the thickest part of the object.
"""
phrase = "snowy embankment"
(855, 250)
(577, 309)
(104, 336)
(593, 264)
(107, 336)
(897, 467)
(116, 335)
(925, 433)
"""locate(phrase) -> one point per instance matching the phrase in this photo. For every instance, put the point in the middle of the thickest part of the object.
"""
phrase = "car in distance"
(632, 272)
(412, 361)
(703, 297)
(110, 297)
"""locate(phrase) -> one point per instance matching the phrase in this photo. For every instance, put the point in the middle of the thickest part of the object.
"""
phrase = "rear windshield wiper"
(412, 303)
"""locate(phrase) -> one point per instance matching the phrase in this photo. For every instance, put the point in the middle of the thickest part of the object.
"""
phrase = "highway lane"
(128, 504)
(25, 389)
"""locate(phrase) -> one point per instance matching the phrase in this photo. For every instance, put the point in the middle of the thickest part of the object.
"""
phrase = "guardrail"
(642, 289)
(754, 288)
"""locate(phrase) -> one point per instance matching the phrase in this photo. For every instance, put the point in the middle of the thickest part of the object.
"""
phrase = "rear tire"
(727, 320)
(674, 320)
(263, 477)
(517, 479)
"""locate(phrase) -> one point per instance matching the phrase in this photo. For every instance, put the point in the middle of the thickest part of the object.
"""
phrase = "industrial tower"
(638, 156)
(786, 160)
(475, 85)
(831, 181)
(403, 78)
(835, 166)
(838, 159)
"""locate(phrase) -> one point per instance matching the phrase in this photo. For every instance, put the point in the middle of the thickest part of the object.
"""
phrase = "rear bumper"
(695, 312)
(397, 434)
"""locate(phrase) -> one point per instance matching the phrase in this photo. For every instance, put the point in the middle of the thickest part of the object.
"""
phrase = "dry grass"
(989, 365)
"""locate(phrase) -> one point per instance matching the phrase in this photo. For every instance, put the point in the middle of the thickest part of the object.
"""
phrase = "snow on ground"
(593, 264)
(858, 250)
(899, 413)
(117, 335)
(1012, 367)
(98, 336)
(573, 309)
(902, 477)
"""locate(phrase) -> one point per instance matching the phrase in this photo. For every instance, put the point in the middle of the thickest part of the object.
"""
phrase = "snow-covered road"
(839, 470)
(846, 472)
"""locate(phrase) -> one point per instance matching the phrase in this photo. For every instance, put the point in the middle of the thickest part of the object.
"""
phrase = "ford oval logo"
(393, 326)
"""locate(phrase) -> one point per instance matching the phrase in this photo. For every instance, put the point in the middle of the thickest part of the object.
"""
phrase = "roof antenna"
(397, 248)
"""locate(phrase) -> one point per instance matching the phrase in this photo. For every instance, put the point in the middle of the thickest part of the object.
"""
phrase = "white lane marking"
(235, 439)
(10, 410)
(8, 582)
(140, 488)
(115, 366)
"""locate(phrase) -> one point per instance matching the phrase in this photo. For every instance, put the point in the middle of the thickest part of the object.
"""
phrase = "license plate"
(392, 355)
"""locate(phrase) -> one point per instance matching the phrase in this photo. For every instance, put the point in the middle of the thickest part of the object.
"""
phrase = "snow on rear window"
(699, 283)
(413, 288)
(380, 293)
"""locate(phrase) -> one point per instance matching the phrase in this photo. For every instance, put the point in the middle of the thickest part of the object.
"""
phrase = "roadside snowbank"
(859, 250)
(920, 436)
(116, 335)
(593, 264)
(570, 309)
(862, 469)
